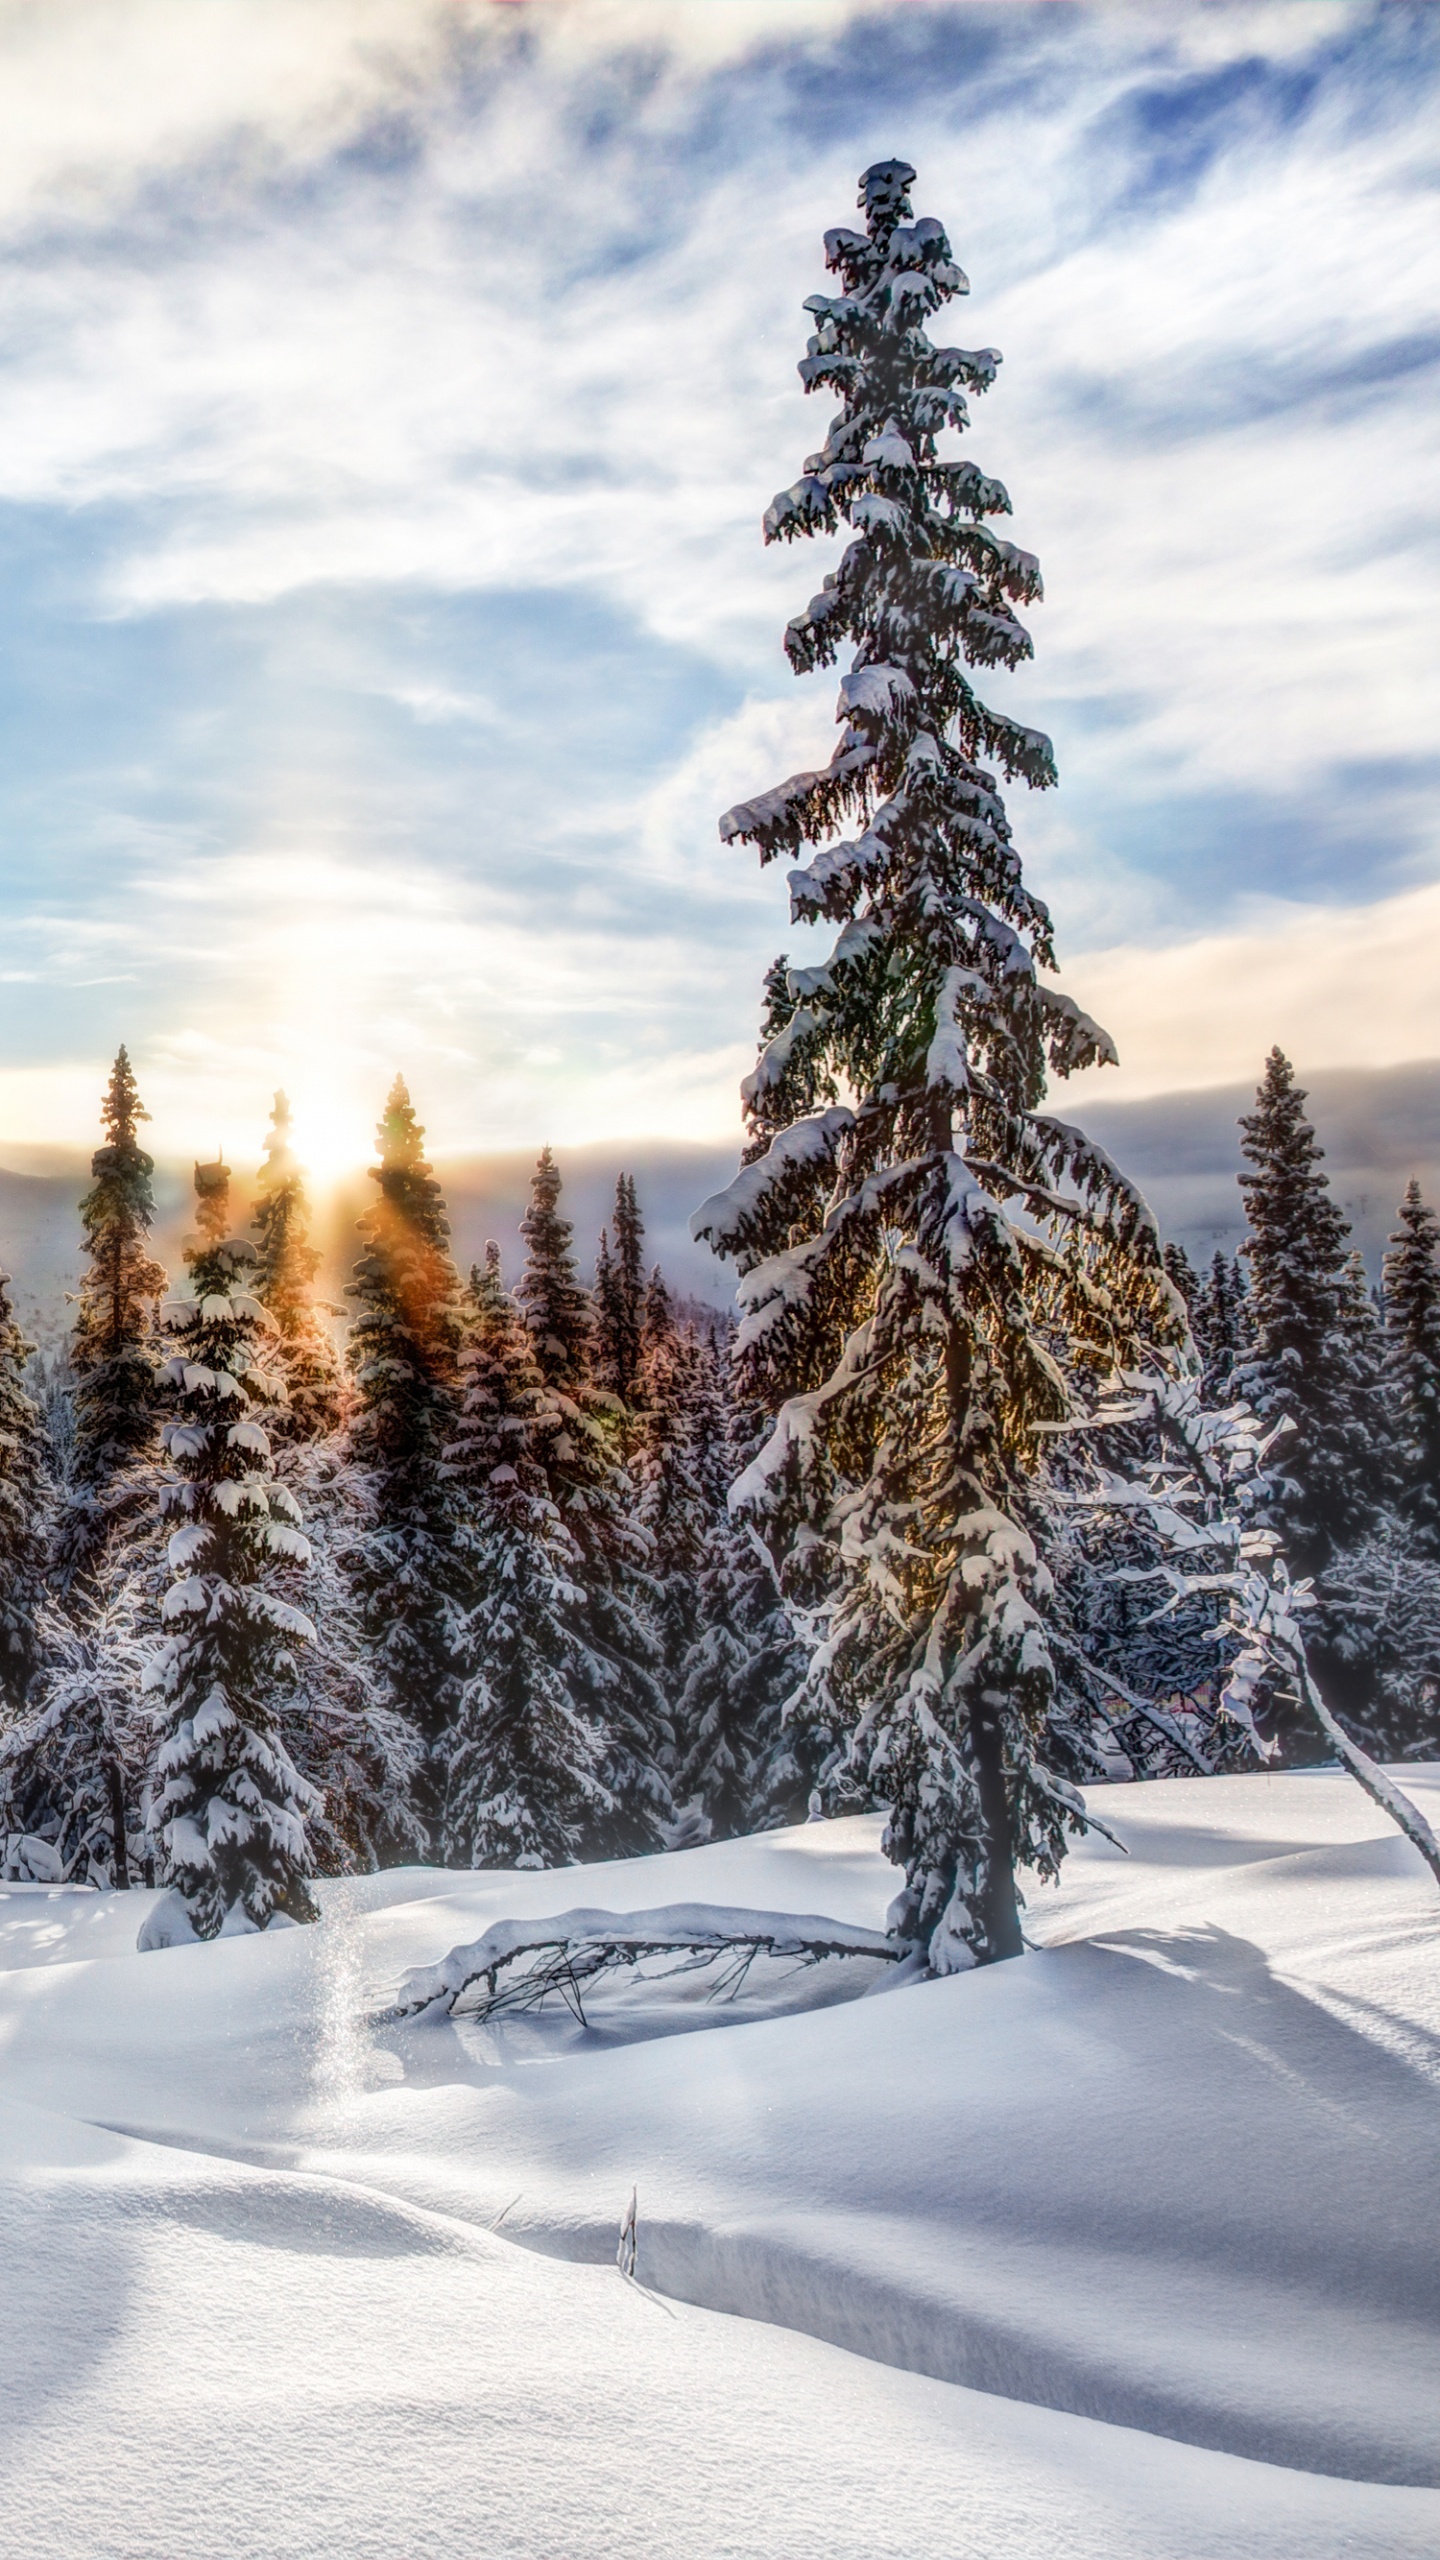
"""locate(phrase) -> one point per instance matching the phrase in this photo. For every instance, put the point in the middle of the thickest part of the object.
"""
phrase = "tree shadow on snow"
(67, 2286)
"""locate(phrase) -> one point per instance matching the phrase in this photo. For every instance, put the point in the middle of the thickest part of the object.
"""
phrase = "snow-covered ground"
(1126, 2251)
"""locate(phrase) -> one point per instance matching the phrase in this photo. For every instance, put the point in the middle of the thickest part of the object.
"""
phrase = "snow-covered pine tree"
(1381, 1608)
(1310, 1355)
(1182, 1272)
(361, 1756)
(75, 1763)
(605, 1301)
(551, 1299)
(285, 1285)
(1348, 1639)
(629, 1286)
(403, 1355)
(523, 1785)
(1141, 1686)
(1412, 1335)
(619, 1691)
(1219, 1322)
(1203, 1497)
(228, 1808)
(743, 1765)
(26, 1495)
(669, 1473)
(1363, 1326)
(619, 1299)
(113, 1350)
(911, 1337)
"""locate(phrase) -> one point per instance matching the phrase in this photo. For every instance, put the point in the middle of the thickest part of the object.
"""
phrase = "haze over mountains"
(1378, 1126)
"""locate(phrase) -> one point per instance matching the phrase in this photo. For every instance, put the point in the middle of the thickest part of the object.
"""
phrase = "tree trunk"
(1380, 1789)
(120, 1864)
(1000, 1913)
(1000, 1907)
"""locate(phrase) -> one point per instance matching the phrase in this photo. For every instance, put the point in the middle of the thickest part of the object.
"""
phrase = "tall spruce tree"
(114, 1350)
(1311, 1357)
(403, 1355)
(911, 1337)
(1219, 1321)
(1182, 1272)
(285, 1285)
(25, 1501)
(630, 1287)
(343, 1733)
(673, 1509)
(605, 1300)
(743, 1764)
(1411, 1290)
(74, 1764)
(228, 1808)
(1362, 1323)
(619, 1302)
(619, 1690)
(523, 1785)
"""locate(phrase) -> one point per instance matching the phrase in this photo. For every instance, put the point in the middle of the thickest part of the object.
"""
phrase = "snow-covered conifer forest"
(994, 1677)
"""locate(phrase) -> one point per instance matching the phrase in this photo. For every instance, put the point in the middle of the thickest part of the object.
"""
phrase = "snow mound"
(583, 1946)
(1121, 2252)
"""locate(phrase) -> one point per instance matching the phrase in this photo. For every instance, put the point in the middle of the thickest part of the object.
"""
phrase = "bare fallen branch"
(561, 1957)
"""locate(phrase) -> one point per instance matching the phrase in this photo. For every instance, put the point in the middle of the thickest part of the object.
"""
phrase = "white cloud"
(410, 381)
(1334, 986)
(326, 975)
(96, 98)
(288, 302)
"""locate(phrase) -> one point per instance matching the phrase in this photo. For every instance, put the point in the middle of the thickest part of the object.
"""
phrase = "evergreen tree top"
(121, 1169)
(1314, 1353)
(1413, 1241)
(280, 1166)
(930, 1012)
(1182, 1271)
(13, 1344)
(1298, 1237)
(121, 1107)
(213, 1257)
(620, 1296)
(407, 1183)
(1410, 1287)
(114, 1405)
(924, 591)
(629, 1235)
(212, 1196)
(659, 1308)
(288, 1261)
(487, 1286)
(1411, 1296)
(555, 1307)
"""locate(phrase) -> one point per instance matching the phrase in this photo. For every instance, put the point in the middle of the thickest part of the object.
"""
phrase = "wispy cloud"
(388, 396)
(1335, 986)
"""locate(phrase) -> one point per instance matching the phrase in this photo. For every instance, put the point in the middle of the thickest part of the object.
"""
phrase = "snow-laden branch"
(1225, 1453)
(1275, 1641)
(566, 1952)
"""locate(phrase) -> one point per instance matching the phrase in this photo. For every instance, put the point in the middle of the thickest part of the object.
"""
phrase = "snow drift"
(1124, 2249)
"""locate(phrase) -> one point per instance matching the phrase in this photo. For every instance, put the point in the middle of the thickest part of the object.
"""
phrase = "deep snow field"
(1125, 2251)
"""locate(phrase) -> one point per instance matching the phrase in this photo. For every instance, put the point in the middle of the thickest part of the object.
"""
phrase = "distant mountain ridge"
(1377, 1126)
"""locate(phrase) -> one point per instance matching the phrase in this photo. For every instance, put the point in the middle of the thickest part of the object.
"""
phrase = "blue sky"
(389, 396)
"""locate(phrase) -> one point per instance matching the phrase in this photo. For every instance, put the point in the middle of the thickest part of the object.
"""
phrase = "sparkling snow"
(1122, 2252)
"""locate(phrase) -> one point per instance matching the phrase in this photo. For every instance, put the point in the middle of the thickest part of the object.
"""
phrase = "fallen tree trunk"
(563, 1955)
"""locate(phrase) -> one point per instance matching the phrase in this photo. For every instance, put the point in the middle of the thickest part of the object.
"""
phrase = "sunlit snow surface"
(1123, 2252)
